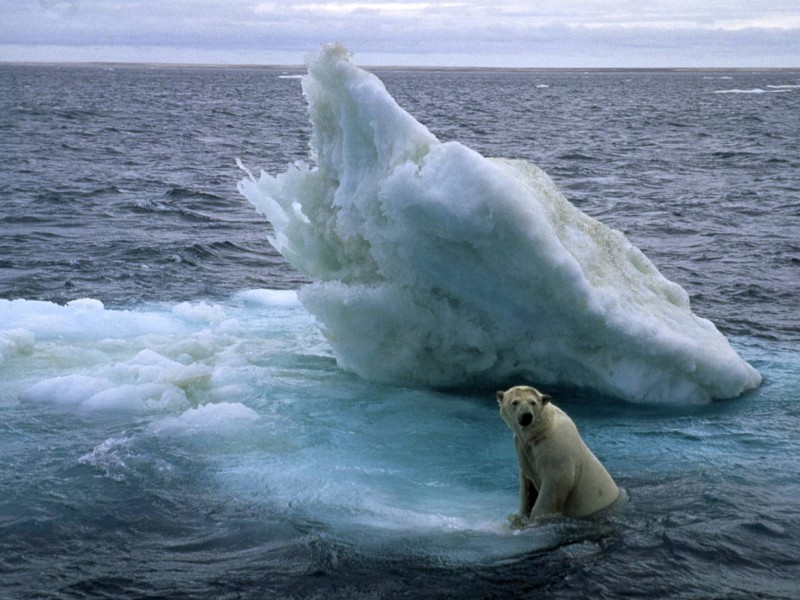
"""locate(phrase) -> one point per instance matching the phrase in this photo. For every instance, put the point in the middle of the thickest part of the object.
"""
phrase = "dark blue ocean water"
(192, 436)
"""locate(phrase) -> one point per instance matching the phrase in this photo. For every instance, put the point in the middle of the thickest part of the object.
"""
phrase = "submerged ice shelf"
(433, 265)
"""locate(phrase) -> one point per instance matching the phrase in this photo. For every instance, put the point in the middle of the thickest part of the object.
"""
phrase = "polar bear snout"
(525, 419)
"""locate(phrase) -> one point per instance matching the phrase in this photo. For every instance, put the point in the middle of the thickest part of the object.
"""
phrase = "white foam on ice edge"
(434, 265)
(773, 89)
(84, 357)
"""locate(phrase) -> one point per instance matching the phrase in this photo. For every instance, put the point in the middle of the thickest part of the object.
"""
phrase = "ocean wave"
(433, 265)
(772, 90)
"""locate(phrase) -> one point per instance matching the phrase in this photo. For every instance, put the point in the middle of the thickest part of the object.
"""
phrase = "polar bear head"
(521, 406)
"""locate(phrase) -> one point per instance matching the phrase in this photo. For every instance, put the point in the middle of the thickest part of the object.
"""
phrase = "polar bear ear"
(545, 399)
(500, 396)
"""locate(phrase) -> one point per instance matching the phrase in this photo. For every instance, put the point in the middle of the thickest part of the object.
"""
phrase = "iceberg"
(433, 265)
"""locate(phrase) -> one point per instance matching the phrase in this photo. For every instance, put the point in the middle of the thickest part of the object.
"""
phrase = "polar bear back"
(561, 458)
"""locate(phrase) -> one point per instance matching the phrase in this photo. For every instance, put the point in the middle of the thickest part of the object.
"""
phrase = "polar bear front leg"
(527, 489)
(551, 500)
(527, 495)
(527, 499)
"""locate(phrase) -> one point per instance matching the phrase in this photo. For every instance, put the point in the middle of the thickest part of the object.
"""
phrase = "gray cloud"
(509, 33)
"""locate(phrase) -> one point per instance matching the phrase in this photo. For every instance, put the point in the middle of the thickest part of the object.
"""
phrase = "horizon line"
(303, 67)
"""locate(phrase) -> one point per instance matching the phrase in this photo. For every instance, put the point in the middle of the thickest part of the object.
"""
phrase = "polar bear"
(558, 474)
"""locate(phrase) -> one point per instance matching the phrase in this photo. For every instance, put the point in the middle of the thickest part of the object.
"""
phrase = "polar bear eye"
(515, 403)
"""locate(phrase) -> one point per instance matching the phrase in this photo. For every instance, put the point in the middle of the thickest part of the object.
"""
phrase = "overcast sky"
(517, 33)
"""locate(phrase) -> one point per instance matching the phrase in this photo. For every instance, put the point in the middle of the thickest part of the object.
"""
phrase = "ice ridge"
(433, 265)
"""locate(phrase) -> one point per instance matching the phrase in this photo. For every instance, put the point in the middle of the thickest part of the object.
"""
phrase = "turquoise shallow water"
(206, 446)
(188, 432)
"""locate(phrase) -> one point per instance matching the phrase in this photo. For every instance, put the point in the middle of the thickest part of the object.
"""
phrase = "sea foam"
(433, 265)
